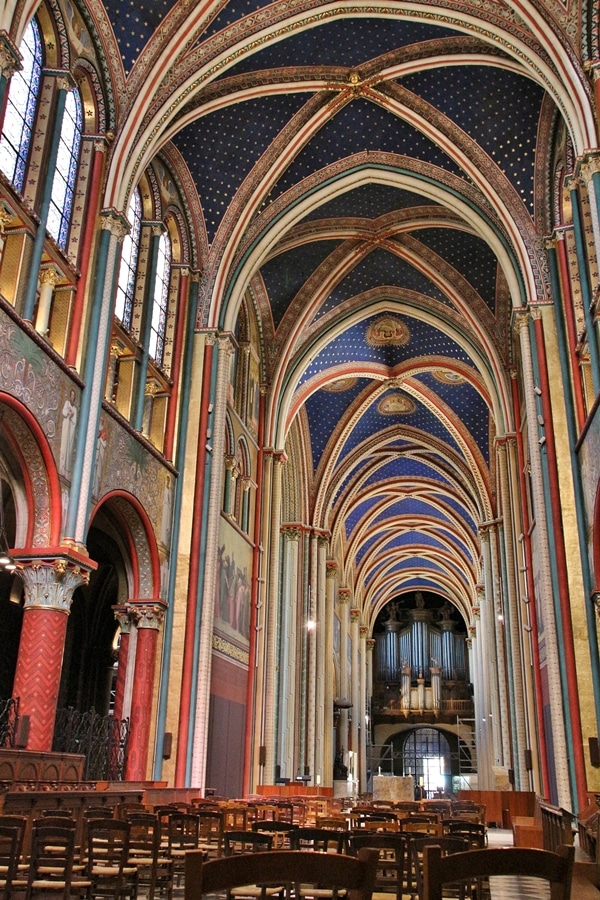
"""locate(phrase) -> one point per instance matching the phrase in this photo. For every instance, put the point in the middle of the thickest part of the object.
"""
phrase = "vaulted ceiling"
(370, 175)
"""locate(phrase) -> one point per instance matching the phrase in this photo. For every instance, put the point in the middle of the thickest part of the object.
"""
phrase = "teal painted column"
(64, 86)
(137, 419)
(113, 228)
(586, 292)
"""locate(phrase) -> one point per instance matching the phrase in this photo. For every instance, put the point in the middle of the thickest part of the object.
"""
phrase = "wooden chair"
(184, 835)
(335, 871)
(210, 831)
(107, 862)
(51, 863)
(475, 832)
(279, 832)
(416, 849)
(319, 840)
(9, 858)
(236, 842)
(518, 864)
(155, 868)
(392, 849)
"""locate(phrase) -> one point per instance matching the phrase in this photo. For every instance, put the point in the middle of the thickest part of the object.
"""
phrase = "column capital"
(589, 165)
(344, 595)
(10, 58)
(363, 632)
(49, 275)
(371, 642)
(355, 615)
(148, 613)
(331, 568)
(113, 221)
(291, 532)
(123, 616)
(50, 579)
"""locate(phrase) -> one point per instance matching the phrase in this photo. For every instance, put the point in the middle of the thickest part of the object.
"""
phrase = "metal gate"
(101, 739)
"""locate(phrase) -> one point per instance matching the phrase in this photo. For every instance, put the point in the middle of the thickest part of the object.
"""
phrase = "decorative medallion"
(395, 403)
(448, 376)
(342, 384)
(387, 330)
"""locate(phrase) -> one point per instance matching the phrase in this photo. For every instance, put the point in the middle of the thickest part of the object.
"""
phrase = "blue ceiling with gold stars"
(380, 159)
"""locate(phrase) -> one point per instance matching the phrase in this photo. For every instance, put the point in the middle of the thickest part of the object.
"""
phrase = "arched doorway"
(431, 755)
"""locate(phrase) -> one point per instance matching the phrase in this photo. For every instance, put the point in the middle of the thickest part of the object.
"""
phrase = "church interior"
(299, 391)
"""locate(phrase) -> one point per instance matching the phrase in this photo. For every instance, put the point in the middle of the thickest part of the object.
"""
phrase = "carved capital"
(331, 568)
(363, 632)
(344, 595)
(371, 644)
(123, 616)
(49, 275)
(355, 615)
(10, 58)
(291, 532)
(113, 221)
(148, 614)
(49, 581)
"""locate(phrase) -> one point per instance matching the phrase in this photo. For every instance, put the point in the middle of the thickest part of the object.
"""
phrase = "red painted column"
(122, 615)
(49, 583)
(183, 300)
(148, 617)
(90, 230)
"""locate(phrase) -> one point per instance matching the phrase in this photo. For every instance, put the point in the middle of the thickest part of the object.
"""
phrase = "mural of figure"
(100, 451)
(242, 604)
(167, 509)
(67, 434)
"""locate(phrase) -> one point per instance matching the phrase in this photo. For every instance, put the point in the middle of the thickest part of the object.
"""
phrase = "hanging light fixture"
(7, 563)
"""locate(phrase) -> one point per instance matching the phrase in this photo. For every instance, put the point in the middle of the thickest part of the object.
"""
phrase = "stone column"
(329, 674)
(362, 722)
(122, 615)
(344, 685)
(355, 687)
(49, 582)
(200, 744)
(272, 621)
(49, 278)
(323, 652)
(488, 627)
(288, 653)
(545, 593)
(148, 617)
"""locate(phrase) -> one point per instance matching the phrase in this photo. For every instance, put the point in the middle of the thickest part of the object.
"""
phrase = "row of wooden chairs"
(286, 870)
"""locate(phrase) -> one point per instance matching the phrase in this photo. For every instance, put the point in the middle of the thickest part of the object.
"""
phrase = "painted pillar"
(272, 623)
(584, 277)
(288, 653)
(564, 297)
(113, 229)
(329, 674)
(139, 398)
(488, 628)
(49, 278)
(122, 615)
(202, 688)
(363, 634)
(48, 583)
(311, 639)
(344, 685)
(507, 492)
(545, 598)
(355, 690)
(183, 300)
(323, 651)
(89, 234)
(500, 626)
(148, 617)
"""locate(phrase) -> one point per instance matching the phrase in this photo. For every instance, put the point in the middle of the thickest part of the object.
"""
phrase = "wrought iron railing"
(101, 739)
(9, 711)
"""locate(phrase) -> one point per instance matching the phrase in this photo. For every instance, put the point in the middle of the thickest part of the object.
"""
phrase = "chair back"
(517, 863)
(246, 842)
(279, 832)
(475, 832)
(19, 823)
(319, 840)
(356, 876)
(416, 849)
(183, 831)
(392, 850)
(9, 857)
(51, 861)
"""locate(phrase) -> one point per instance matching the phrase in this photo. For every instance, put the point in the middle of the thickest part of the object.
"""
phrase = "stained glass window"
(129, 258)
(63, 184)
(20, 108)
(161, 300)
